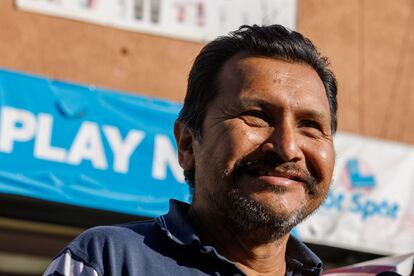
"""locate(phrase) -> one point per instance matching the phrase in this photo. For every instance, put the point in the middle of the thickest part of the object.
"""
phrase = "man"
(255, 141)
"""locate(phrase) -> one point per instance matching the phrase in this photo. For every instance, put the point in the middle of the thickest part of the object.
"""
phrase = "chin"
(247, 215)
(283, 203)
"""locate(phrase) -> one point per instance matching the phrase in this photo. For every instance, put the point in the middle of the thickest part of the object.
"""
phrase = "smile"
(280, 175)
(279, 180)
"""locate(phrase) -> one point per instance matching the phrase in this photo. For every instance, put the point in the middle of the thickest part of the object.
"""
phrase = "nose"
(284, 142)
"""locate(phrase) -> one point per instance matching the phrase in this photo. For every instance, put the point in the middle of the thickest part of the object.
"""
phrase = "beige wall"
(369, 42)
(92, 54)
(371, 47)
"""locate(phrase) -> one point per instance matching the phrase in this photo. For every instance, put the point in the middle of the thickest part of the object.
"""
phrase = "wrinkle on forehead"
(244, 69)
(285, 75)
(245, 75)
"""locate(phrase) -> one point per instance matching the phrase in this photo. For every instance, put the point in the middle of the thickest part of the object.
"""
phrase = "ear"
(184, 139)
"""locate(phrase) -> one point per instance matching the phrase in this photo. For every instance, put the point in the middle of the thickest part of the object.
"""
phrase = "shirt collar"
(300, 258)
(175, 223)
(176, 226)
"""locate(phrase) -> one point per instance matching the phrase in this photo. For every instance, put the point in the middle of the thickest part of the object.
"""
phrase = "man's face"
(265, 157)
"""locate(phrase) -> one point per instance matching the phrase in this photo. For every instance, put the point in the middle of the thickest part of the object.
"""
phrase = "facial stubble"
(259, 221)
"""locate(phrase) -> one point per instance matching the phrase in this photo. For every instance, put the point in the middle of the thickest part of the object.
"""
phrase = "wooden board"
(92, 54)
(371, 46)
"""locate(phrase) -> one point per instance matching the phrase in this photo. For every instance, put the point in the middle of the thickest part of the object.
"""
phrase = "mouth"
(281, 175)
(278, 174)
(277, 177)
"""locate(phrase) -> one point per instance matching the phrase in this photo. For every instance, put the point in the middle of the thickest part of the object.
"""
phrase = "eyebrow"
(314, 115)
(246, 102)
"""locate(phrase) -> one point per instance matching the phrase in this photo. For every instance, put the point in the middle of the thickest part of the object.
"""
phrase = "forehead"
(254, 77)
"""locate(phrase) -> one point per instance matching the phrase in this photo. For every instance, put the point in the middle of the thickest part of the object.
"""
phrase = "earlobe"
(184, 139)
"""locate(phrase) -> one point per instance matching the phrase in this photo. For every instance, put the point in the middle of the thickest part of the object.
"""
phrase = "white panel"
(371, 203)
(196, 20)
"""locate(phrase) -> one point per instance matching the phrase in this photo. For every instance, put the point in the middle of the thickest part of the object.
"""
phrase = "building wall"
(370, 44)
(92, 54)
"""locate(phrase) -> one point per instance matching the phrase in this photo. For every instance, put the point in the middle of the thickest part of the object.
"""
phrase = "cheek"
(244, 140)
(214, 151)
(251, 139)
(234, 141)
(321, 158)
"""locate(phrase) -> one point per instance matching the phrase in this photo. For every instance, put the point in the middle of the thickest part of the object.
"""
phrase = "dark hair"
(270, 41)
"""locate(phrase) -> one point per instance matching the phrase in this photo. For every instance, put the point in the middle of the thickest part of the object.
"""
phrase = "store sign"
(85, 146)
(197, 20)
(370, 205)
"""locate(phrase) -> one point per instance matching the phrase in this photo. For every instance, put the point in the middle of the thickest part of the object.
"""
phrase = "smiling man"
(255, 141)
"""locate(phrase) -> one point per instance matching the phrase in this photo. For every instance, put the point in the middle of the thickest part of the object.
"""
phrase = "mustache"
(289, 169)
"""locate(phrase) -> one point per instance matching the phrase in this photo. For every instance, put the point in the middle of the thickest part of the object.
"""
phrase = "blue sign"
(359, 180)
(87, 146)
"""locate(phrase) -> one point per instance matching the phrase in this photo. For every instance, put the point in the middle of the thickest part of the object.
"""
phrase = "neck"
(250, 256)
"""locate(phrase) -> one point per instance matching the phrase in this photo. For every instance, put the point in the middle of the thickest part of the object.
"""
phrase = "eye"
(310, 124)
(255, 118)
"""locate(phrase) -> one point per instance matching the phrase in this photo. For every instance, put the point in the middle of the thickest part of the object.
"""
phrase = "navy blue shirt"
(166, 246)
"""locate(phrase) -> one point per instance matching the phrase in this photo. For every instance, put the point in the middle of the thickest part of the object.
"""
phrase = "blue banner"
(87, 146)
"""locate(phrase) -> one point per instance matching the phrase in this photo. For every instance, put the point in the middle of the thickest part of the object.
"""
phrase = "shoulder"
(107, 248)
(68, 264)
(104, 235)
(113, 240)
